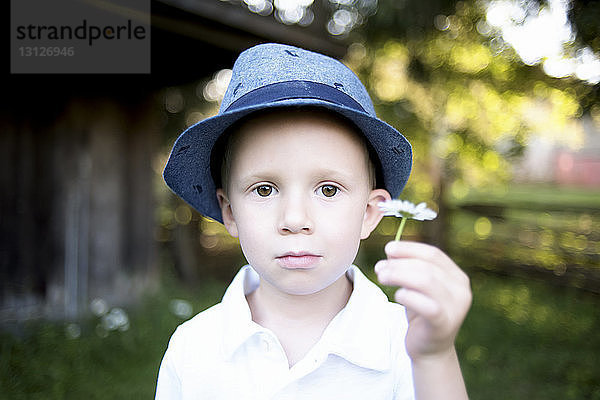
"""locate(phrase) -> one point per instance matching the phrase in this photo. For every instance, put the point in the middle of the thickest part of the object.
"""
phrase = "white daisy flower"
(406, 210)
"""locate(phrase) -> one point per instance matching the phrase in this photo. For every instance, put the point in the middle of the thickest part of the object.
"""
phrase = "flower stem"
(400, 229)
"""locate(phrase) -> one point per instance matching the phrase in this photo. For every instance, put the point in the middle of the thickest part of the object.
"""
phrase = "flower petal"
(406, 209)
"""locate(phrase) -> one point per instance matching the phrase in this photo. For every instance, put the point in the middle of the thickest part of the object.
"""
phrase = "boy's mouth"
(298, 260)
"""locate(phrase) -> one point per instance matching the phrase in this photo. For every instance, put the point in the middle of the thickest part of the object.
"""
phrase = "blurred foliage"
(527, 340)
(532, 231)
(413, 18)
(407, 19)
(466, 104)
(585, 15)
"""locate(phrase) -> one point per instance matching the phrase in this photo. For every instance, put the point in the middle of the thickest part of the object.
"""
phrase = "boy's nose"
(295, 217)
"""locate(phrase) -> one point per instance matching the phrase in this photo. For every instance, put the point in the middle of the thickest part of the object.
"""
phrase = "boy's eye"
(264, 190)
(329, 190)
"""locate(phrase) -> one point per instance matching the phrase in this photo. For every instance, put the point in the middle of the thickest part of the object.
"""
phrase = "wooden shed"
(77, 203)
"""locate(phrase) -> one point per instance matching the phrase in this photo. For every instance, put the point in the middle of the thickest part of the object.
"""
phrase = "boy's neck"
(298, 321)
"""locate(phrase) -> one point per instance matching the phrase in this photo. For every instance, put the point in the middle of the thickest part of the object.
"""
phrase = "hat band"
(295, 90)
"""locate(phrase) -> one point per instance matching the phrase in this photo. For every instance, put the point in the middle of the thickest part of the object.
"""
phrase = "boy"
(294, 165)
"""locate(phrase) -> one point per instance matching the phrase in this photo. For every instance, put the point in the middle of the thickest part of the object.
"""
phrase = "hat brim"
(188, 170)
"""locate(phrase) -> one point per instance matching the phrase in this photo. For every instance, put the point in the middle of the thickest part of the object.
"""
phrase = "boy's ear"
(226, 213)
(372, 213)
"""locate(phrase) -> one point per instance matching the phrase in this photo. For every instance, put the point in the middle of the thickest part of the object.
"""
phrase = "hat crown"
(271, 63)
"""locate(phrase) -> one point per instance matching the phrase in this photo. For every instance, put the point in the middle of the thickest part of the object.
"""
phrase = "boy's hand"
(435, 292)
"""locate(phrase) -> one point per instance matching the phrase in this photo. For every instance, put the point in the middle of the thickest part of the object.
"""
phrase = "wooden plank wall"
(76, 209)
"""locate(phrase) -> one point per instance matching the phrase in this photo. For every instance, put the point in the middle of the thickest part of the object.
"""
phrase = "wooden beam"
(243, 23)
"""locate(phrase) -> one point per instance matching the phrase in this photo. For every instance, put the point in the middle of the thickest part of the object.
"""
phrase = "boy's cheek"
(248, 226)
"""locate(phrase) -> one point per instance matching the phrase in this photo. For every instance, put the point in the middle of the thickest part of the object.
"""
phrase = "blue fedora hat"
(275, 75)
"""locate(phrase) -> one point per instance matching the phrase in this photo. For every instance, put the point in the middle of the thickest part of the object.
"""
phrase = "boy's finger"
(401, 249)
(390, 271)
(417, 275)
(419, 303)
(406, 249)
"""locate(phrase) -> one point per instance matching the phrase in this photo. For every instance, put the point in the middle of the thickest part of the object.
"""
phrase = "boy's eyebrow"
(330, 174)
(324, 174)
(246, 180)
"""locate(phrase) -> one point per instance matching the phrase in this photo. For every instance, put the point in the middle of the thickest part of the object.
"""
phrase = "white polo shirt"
(222, 354)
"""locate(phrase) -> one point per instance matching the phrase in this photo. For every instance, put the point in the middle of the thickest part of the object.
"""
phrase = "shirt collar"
(237, 318)
(360, 332)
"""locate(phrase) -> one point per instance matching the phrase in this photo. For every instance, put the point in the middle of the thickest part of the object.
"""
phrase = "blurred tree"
(585, 15)
(463, 98)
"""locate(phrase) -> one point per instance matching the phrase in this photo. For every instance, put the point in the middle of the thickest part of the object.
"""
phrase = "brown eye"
(264, 190)
(329, 190)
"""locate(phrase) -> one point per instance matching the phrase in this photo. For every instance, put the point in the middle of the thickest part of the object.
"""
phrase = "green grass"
(42, 361)
(529, 229)
(528, 340)
(521, 340)
(533, 195)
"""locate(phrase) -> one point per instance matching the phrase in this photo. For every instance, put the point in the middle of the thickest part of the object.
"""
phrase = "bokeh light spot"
(482, 227)
(183, 215)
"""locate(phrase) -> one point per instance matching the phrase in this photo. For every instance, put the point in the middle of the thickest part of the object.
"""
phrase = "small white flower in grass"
(406, 210)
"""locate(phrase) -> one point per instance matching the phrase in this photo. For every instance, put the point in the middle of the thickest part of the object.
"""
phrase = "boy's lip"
(298, 260)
